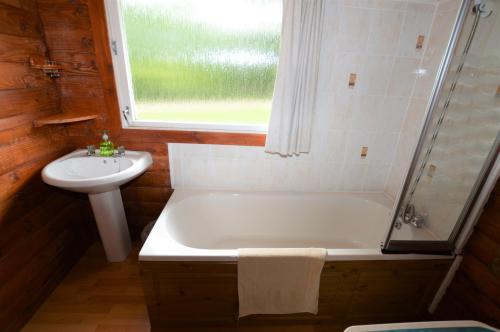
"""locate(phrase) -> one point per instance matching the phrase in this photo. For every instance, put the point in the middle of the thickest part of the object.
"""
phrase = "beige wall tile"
(441, 32)
(417, 21)
(403, 77)
(425, 82)
(385, 30)
(353, 32)
(375, 77)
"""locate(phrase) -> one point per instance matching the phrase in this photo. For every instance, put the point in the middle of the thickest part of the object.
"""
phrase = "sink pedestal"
(101, 178)
(112, 224)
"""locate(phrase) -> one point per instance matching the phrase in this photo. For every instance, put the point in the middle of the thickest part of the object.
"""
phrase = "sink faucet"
(410, 216)
(90, 150)
(120, 151)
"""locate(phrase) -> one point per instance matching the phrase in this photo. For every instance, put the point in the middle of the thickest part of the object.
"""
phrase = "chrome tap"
(90, 150)
(120, 151)
(410, 216)
(418, 221)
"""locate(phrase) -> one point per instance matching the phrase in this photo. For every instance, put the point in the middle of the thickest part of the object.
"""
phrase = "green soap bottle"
(106, 148)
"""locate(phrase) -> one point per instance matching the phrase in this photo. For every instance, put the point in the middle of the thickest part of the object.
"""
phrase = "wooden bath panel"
(355, 292)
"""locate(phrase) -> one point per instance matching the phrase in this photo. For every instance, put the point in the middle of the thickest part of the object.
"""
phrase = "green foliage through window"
(208, 61)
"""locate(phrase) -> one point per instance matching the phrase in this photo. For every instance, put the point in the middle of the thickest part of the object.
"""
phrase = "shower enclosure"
(460, 139)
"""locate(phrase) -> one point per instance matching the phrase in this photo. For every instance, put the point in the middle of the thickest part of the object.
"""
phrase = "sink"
(90, 174)
(101, 178)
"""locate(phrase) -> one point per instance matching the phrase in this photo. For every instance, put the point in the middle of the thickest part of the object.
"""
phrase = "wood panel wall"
(475, 291)
(77, 38)
(193, 294)
(43, 231)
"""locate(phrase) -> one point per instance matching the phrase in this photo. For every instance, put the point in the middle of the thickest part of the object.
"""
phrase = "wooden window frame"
(116, 77)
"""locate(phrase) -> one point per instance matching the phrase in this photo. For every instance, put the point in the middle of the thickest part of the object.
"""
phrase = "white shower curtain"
(295, 87)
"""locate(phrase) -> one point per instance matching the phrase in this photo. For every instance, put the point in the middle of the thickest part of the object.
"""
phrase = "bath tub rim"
(160, 246)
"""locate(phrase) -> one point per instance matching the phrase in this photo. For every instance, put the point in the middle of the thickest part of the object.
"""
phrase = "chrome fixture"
(483, 8)
(90, 150)
(418, 221)
(410, 216)
(120, 151)
(397, 225)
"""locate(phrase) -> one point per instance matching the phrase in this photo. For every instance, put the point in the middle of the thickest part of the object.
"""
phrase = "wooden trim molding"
(97, 14)
(200, 137)
(104, 61)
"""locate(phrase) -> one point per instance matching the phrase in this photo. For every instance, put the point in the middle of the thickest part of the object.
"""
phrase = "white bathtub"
(200, 225)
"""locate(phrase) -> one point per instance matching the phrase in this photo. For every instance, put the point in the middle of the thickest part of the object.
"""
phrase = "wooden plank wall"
(70, 40)
(191, 294)
(43, 231)
(76, 35)
(475, 291)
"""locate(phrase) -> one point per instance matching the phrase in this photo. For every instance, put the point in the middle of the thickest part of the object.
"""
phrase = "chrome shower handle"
(409, 213)
(410, 216)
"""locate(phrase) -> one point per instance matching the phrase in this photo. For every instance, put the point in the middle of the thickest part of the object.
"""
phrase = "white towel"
(279, 280)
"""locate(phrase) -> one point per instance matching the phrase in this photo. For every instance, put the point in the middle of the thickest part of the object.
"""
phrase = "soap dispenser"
(106, 148)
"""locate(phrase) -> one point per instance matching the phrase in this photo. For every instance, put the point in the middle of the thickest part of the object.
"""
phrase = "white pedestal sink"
(101, 178)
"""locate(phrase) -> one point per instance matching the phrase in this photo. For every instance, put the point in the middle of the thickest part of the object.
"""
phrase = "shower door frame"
(443, 246)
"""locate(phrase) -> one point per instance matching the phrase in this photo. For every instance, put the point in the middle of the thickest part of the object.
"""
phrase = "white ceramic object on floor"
(101, 178)
(454, 325)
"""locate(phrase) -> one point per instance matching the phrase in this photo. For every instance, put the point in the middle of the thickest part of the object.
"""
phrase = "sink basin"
(88, 174)
(101, 178)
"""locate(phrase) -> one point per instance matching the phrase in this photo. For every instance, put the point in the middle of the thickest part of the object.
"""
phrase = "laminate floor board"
(97, 296)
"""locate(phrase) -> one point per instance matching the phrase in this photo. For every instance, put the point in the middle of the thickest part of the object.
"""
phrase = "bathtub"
(201, 225)
(189, 261)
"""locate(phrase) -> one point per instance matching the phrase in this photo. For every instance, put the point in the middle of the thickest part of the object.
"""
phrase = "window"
(195, 64)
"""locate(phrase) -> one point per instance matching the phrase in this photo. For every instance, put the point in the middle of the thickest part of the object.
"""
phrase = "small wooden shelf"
(61, 118)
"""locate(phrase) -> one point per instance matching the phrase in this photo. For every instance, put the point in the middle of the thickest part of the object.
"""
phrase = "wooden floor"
(98, 296)
(95, 296)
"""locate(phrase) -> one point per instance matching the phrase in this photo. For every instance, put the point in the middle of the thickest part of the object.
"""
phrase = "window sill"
(197, 127)
(165, 135)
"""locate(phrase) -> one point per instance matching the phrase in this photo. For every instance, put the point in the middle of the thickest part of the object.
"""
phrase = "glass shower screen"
(460, 137)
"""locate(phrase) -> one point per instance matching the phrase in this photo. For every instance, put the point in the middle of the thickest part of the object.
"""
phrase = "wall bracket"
(49, 67)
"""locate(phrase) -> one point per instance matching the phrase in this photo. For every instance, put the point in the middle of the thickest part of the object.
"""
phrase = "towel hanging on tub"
(279, 280)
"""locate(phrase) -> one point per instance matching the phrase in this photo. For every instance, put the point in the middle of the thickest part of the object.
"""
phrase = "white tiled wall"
(376, 40)
(250, 168)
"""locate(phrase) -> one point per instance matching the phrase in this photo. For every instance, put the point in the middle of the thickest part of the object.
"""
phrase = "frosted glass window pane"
(209, 61)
